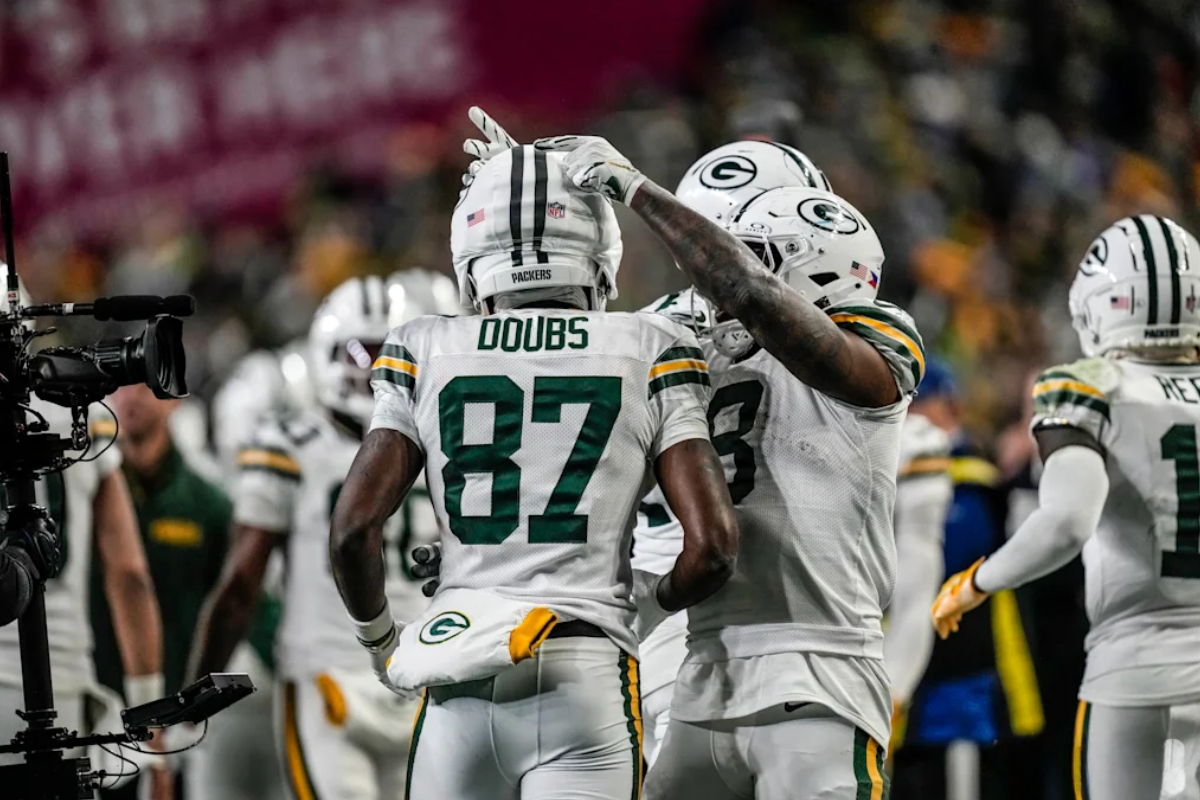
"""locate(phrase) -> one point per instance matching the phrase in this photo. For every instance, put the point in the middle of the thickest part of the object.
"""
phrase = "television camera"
(76, 377)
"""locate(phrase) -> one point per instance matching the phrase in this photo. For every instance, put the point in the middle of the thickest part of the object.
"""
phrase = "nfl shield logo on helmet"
(556, 210)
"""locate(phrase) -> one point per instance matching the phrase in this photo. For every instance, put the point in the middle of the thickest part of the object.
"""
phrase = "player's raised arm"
(810, 344)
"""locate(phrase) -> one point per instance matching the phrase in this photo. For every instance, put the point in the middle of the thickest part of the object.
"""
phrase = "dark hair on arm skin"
(387, 465)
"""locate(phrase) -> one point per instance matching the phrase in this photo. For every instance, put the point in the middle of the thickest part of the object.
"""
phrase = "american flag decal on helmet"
(1119, 302)
(474, 218)
(863, 274)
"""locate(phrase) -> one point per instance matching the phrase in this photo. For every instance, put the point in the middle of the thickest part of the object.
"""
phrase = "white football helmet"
(685, 307)
(347, 332)
(723, 180)
(819, 244)
(432, 291)
(1136, 288)
(522, 224)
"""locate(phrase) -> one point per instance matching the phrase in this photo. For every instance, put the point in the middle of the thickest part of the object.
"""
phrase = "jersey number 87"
(558, 523)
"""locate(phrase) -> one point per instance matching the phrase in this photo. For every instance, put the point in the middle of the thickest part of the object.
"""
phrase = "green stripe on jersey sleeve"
(393, 376)
(676, 353)
(396, 351)
(679, 378)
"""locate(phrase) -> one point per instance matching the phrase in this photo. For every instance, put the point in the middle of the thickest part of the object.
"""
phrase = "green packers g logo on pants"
(444, 627)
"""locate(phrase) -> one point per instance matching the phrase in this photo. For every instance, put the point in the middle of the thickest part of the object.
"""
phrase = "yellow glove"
(958, 596)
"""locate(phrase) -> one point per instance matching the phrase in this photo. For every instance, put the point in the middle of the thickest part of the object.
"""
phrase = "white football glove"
(497, 141)
(594, 165)
(380, 637)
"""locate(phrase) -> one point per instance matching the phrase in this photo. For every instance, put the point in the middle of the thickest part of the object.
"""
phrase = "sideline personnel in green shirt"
(184, 522)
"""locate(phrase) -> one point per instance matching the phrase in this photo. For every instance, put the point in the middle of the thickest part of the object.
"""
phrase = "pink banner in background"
(109, 107)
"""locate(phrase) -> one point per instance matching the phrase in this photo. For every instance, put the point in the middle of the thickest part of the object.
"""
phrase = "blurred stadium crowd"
(988, 140)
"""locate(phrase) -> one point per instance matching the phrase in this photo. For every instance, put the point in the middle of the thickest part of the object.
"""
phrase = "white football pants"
(564, 725)
(342, 736)
(806, 754)
(1127, 753)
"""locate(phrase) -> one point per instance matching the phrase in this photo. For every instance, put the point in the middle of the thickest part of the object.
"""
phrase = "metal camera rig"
(75, 377)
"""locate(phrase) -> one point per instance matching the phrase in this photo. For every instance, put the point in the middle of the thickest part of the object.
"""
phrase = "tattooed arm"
(384, 470)
(786, 325)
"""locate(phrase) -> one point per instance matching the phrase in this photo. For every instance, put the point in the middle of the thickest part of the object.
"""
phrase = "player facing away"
(339, 733)
(784, 692)
(537, 425)
(1121, 482)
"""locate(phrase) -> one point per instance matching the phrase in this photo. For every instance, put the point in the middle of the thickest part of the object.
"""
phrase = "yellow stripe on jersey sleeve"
(928, 465)
(272, 460)
(385, 362)
(677, 365)
(887, 330)
(1063, 384)
(103, 428)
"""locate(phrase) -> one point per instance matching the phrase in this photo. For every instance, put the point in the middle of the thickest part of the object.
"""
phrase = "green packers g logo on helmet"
(444, 627)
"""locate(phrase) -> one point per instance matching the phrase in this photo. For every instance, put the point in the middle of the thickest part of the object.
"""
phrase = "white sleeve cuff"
(141, 689)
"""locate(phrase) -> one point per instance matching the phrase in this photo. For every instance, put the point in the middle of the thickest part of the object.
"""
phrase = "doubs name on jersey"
(533, 334)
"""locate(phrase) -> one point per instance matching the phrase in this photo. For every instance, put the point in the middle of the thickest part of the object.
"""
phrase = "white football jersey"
(538, 428)
(68, 496)
(288, 480)
(923, 494)
(1143, 563)
(814, 482)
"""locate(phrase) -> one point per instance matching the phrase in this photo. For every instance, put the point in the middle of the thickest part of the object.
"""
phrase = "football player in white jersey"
(91, 504)
(1121, 482)
(340, 733)
(537, 424)
(716, 185)
(784, 692)
(923, 494)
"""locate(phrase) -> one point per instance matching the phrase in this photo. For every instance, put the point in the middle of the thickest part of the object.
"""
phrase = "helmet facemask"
(785, 255)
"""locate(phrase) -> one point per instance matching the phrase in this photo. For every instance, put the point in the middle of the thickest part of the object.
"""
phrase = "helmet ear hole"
(823, 278)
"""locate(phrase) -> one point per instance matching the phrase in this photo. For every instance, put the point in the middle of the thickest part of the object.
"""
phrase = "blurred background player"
(90, 503)
(184, 521)
(923, 494)
(339, 733)
(965, 733)
(549, 535)
(1117, 435)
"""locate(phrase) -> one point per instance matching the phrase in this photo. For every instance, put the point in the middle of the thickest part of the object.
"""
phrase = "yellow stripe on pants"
(296, 768)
